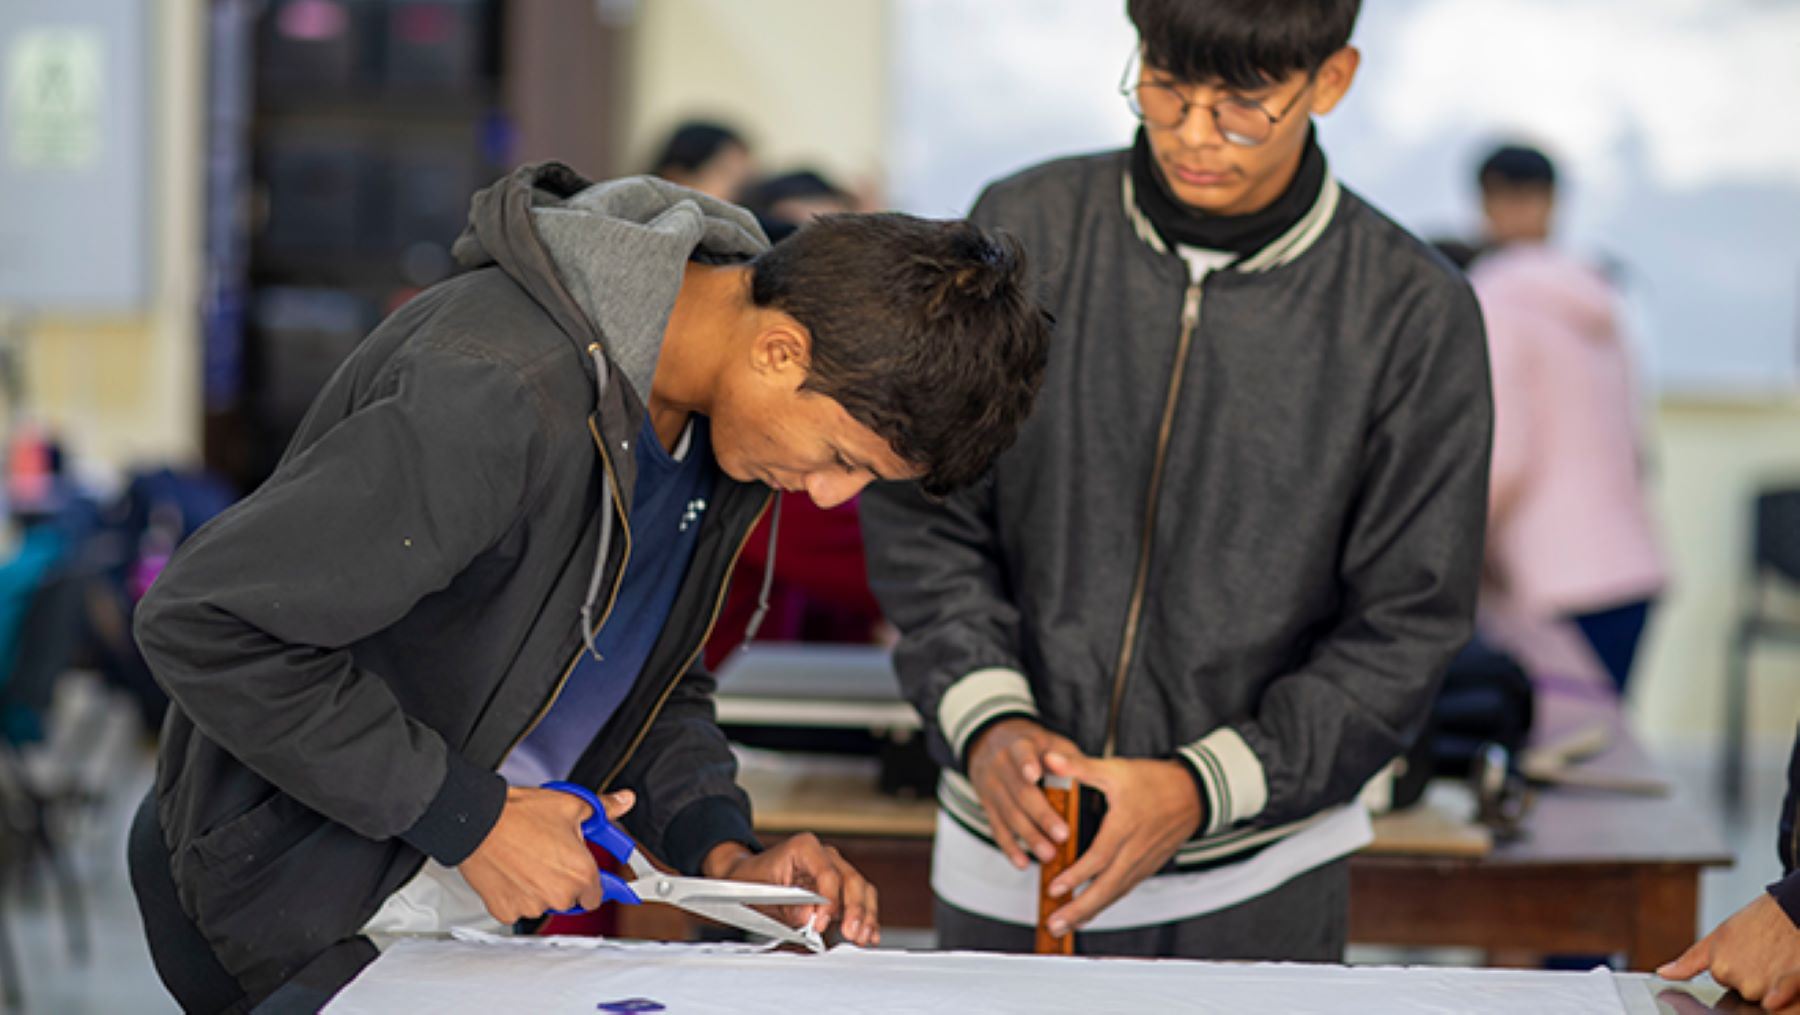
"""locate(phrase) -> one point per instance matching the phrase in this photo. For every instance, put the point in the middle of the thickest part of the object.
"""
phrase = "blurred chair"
(1774, 557)
(12, 847)
(40, 771)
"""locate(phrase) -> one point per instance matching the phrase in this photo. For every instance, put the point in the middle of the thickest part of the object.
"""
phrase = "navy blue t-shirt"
(667, 507)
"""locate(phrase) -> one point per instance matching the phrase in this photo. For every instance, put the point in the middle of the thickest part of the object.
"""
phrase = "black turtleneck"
(1183, 225)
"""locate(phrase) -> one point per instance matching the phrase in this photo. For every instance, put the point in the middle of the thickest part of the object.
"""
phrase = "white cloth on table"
(499, 974)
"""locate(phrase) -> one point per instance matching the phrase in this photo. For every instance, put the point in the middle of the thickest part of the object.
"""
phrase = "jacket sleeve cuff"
(1787, 896)
(980, 700)
(1232, 785)
(702, 825)
(459, 817)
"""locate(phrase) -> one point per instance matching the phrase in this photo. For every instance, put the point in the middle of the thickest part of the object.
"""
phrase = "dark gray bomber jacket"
(1255, 552)
(354, 648)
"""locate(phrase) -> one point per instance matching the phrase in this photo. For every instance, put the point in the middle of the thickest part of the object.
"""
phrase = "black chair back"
(47, 645)
(1777, 544)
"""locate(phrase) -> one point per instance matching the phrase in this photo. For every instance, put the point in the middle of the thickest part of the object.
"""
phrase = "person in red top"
(820, 590)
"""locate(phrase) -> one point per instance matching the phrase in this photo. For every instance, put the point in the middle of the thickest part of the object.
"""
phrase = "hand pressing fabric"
(804, 861)
(1756, 952)
(1005, 764)
(1152, 807)
(534, 859)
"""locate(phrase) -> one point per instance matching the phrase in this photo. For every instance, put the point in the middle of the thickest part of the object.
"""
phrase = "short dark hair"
(1517, 166)
(926, 332)
(1241, 44)
(770, 191)
(693, 144)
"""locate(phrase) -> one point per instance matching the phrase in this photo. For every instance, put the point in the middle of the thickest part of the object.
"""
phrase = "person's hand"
(535, 859)
(1005, 763)
(1678, 1001)
(802, 860)
(1152, 807)
(1755, 952)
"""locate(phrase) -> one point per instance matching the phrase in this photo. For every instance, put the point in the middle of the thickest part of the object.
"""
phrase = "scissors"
(725, 901)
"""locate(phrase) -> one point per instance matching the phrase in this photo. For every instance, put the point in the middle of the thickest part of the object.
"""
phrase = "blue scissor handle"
(601, 832)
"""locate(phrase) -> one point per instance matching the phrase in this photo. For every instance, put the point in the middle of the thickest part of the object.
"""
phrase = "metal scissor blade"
(746, 919)
(678, 891)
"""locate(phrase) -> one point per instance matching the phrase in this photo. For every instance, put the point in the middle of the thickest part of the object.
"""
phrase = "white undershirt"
(1202, 262)
(974, 876)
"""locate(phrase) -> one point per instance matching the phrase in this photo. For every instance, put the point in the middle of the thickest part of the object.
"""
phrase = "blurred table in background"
(1595, 872)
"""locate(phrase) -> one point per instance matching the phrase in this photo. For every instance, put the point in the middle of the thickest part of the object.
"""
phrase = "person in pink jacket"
(1573, 563)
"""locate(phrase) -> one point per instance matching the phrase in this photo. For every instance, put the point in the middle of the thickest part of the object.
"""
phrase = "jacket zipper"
(612, 596)
(680, 671)
(719, 603)
(1190, 319)
(1793, 857)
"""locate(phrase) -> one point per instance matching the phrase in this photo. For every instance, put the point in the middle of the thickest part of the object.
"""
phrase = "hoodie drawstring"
(768, 579)
(606, 520)
(588, 633)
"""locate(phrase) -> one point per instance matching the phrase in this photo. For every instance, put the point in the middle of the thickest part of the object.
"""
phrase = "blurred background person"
(785, 202)
(708, 157)
(1573, 561)
(1518, 196)
(1517, 185)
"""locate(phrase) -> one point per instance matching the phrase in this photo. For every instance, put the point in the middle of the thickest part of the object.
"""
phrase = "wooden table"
(1595, 873)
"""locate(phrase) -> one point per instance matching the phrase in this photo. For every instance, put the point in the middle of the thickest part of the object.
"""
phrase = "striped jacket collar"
(1284, 249)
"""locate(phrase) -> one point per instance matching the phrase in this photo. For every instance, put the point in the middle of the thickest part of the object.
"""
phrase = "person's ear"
(782, 349)
(1334, 79)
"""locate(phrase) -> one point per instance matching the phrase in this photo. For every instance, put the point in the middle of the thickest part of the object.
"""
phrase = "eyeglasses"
(1240, 121)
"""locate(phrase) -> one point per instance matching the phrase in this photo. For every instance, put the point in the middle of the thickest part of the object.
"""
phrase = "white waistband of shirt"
(974, 876)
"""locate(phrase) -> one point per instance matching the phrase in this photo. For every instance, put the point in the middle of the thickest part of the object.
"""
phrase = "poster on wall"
(75, 165)
(55, 83)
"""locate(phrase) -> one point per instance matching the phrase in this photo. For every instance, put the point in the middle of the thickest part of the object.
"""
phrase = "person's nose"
(1198, 129)
(828, 490)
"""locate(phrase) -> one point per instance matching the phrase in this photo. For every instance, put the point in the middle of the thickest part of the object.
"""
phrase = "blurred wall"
(568, 68)
(805, 80)
(1711, 457)
(124, 388)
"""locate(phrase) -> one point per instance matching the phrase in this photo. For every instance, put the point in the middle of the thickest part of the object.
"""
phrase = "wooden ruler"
(1065, 799)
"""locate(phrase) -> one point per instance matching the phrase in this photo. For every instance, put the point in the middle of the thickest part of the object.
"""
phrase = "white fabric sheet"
(499, 974)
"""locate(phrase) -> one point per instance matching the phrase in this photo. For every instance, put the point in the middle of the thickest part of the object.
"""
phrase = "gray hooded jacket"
(1242, 528)
(354, 648)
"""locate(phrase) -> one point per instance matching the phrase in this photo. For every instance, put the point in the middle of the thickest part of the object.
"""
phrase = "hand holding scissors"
(725, 901)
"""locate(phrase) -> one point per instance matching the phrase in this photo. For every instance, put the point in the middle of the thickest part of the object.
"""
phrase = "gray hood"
(607, 260)
(615, 250)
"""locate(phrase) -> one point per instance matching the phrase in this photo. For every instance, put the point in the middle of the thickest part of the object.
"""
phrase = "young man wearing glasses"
(1219, 577)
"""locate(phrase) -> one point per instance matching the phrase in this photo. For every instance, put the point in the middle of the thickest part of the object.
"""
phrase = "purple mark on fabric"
(631, 1005)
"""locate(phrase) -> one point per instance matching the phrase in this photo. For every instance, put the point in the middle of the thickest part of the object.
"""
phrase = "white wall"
(805, 79)
(126, 388)
(1711, 457)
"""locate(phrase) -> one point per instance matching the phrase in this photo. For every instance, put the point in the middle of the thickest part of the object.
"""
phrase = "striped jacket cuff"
(1231, 779)
(978, 700)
